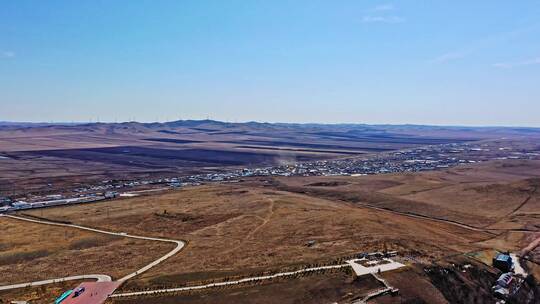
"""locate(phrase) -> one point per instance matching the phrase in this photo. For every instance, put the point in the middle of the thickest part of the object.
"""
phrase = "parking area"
(91, 293)
(365, 266)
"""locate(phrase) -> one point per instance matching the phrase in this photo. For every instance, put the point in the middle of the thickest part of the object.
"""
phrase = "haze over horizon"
(373, 62)
(263, 122)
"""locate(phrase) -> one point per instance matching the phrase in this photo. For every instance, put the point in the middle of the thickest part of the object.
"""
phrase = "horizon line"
(8, 122)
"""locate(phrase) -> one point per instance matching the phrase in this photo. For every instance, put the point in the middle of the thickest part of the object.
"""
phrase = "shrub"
(18, 257)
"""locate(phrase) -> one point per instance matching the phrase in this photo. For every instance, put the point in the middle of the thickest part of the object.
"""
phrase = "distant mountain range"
(215, 124)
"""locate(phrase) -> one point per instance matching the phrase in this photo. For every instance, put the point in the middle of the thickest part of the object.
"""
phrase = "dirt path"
(218, 227)
(265, 220)
(525, 201)
(250, 235)
(516, 209)
(532, 246)
(429, 218)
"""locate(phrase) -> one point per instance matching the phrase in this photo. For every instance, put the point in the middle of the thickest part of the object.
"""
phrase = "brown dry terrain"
(51, 157)
(263, 224)
(328, 287)
(263, 229)
(45, 294)
(499, 194)
(33, 252)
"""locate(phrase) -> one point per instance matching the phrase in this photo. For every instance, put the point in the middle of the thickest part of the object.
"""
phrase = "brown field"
(328, 287)
(41, 158)
(33, 252)
(498, 194)
(262, 228)
(263, 225)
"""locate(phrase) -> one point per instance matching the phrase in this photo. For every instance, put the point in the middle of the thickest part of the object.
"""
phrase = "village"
(433, 157)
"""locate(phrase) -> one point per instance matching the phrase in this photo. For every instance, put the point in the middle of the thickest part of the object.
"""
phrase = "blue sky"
(423, 62)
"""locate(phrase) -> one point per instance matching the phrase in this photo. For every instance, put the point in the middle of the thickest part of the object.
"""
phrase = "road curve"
(98, 277)
(532, 246)
(226, 283)
(179, 246)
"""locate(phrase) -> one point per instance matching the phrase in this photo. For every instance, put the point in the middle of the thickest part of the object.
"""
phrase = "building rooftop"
(503, 257)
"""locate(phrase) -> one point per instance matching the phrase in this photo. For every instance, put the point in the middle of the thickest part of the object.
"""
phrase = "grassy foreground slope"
(264, 224)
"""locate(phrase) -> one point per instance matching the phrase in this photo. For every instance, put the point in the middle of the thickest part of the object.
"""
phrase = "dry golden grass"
(328, 287)
(32, 252)
(264, 224)
(243, 229)
(486, 194)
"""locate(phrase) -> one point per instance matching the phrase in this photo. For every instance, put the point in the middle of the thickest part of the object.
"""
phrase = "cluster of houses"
(509, 281)
(55, 200)
(408, 160)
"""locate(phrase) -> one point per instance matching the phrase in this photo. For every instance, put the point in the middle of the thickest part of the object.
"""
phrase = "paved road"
(212, 285)
(179, 246)
(97, 277)
(379, 292)
(361, 270)
(532, 246)
(94, 293)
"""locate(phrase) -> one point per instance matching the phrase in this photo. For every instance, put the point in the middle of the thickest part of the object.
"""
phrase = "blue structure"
(503, 261)
(64, 296)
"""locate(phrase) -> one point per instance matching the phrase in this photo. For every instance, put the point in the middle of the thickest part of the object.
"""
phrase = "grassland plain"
(266, 223)
(264, 229)
(32, 252)
(492, 193)
(317, 288)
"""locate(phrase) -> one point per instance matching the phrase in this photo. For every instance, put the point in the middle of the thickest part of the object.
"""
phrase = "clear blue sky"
(424, 62)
